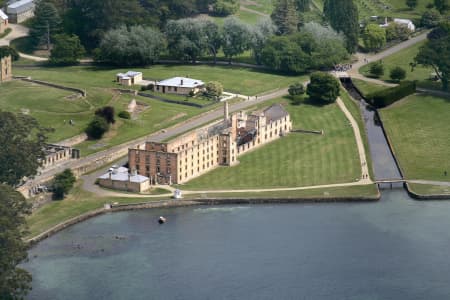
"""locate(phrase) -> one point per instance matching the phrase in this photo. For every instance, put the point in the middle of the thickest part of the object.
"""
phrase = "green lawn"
(403, 59)
(366, 87)
(426, 189)
(296, 160)
(235, 79)
(419, 128)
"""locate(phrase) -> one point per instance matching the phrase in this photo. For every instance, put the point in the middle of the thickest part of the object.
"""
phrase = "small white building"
(179, 85)
(20, 11)
(3, 21)
(408, 23)
(129, 78)
(118, 178)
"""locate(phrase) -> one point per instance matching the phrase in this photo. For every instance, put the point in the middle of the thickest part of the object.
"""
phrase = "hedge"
(386, 97)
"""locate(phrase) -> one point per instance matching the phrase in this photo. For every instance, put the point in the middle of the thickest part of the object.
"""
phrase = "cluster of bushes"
(386, 97)
(100, 124)
(62, 184)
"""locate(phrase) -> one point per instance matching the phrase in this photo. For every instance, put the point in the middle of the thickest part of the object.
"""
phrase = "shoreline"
(171, 203)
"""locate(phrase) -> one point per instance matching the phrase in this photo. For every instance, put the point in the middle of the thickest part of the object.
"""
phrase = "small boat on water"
(162, 220)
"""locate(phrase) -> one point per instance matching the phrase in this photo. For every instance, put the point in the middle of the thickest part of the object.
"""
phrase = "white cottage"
(179, 85)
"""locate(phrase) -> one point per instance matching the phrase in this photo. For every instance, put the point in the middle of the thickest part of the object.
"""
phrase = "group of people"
(342, 67)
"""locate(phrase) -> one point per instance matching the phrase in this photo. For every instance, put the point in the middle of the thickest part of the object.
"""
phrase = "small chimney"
(225, 111)
(181, 82)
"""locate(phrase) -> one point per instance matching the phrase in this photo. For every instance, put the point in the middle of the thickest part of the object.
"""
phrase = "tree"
(7, 51)
(442, 5)
(343, 17)
(285, 17)
(430, 18)
(262, 31)
(45, 25)
(14, 282)
(67, 49)
(303, 5)
(213, 37)
(225, 7)
(377, 69)
(397, 74)
(236, 37)
(97, 127)
(106, 112)
(21, 153)
(411, 3)
(374, 37)
(285, 53)
(395, 31)
(436, 53)
(214, 89)
(323, 87)
(328, 46)
(62, 183)
(136, 45)
(295, 90)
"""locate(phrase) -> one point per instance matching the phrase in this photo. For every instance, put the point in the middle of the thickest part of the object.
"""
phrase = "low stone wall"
(54, 85)
(182, 203)
(73, 140)
(425, 197)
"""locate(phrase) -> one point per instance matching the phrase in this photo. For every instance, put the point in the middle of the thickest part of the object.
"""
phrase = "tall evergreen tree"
(45, 24)
(303, 5)
(285, 16)
(343, 17)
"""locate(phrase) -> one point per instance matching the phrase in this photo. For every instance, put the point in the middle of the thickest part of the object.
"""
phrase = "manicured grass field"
(235, 79)
(419, 128)
(426, 189)
(366, 87)
(297, 159)
(403, 59)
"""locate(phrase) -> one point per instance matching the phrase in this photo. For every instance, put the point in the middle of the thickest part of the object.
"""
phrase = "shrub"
(377, 69)
(296, 89)
(386, 97)
(148, 87)
(97, 127)
(213, 89)
(107, 113)
(62, 184)
(430, 18)
(397, 74)
(124, 114)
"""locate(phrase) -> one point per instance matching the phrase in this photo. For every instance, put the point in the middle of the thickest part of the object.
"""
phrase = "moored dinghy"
(162, 220)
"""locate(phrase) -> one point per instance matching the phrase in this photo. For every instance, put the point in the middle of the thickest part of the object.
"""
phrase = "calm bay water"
(397, 248)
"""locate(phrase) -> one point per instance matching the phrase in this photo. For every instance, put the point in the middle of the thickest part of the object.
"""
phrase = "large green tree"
(15, 282)
(442, 5)
(323, 88)
(436, 53)
(411, 3)
(374, 37)
(285, 16)
(67, 49)
(303, 5)
(236, 37)
(62, 183)
(225, 7)
(260, 33)
(45, 24)
(343, 17)
(22, 141)
(135, 45)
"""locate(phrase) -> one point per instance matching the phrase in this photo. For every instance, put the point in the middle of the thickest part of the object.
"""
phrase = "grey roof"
(181, 82)
(125, 177)
(128, 74)
(275, 112)
(3, 16)
(20, 7)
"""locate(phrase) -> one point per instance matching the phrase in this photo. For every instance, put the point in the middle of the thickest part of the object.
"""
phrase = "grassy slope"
(426, 189)
(403, 59)
(366, 87)
(295, 160)
(419, 127)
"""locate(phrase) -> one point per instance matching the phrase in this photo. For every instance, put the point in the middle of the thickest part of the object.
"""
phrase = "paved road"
(17, 32)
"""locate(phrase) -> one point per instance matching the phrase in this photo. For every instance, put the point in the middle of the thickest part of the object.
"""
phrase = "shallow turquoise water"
(397, 248)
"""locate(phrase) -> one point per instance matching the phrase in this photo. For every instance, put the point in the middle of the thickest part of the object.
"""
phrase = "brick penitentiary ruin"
(201, 150)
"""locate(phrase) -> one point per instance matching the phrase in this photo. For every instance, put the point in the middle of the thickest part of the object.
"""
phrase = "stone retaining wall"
(54, 85)
(181, 203)
(70, 142)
